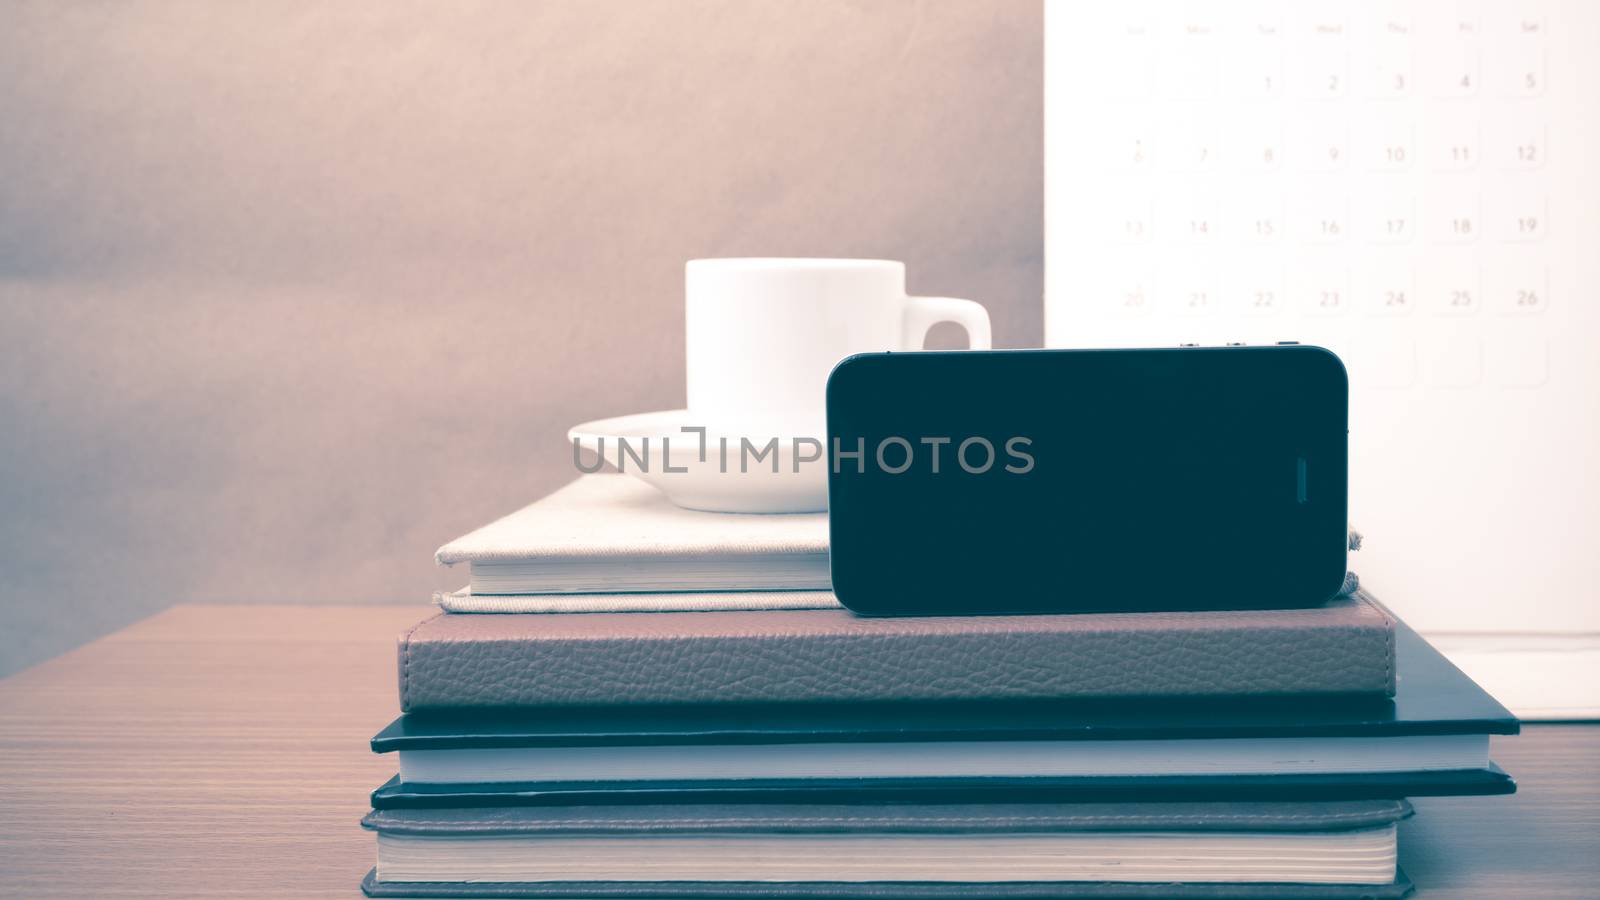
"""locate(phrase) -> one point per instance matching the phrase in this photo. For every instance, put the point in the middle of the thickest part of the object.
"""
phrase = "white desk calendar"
(1414, 186)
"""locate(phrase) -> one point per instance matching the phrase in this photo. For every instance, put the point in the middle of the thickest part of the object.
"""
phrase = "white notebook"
(612, 534)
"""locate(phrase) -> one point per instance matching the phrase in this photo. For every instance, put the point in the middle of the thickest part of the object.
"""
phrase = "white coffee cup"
(763, 334)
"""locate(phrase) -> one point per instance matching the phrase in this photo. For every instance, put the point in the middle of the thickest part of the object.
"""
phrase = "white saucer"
(715, 483)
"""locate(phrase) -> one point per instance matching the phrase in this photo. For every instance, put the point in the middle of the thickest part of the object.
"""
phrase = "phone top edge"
(1276, 349)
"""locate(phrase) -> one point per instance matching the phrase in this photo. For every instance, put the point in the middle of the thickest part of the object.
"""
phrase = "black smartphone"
(1033, 481)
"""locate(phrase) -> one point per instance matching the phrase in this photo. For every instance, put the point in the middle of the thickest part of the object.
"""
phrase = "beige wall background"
(292, 293)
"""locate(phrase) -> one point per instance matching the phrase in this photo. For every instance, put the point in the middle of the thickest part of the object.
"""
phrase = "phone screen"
(1087, 480)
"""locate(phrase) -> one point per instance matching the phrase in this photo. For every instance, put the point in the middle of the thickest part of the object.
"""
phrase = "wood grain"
(221, 751)
(1543, 841)
(212, 751)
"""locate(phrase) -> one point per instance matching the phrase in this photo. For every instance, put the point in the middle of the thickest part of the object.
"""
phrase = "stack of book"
(636, 700)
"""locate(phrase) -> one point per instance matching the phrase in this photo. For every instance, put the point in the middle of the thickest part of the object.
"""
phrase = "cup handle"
(922, 313)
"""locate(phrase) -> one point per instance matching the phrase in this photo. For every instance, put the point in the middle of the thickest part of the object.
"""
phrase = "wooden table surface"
(221, 751)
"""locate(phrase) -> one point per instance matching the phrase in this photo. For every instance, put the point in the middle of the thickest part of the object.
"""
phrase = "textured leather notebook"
(1430, 739)
(614, 534)
(821, 655)
(1434, 698)
(1328, 849)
